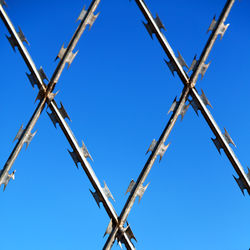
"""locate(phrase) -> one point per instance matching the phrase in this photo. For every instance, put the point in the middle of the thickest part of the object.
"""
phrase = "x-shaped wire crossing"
(58, 115)
(198, 102)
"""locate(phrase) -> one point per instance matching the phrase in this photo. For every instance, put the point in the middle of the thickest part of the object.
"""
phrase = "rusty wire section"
(118, 228)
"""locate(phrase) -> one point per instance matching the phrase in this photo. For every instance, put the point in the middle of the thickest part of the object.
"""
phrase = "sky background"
(117, 93)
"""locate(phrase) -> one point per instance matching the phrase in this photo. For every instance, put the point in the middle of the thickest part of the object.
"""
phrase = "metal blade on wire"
(60, 119)
(217, 29)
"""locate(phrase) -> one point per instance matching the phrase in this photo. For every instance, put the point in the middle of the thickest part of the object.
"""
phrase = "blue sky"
(117, 93)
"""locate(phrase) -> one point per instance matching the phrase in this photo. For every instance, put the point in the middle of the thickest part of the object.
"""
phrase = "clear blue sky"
(117, 92)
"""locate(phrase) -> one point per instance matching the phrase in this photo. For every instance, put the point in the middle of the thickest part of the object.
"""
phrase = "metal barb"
(173, 106)
(86, 152)
(92, 19)
(217, 144)
(196, 105)
(240, 184)
(212, 25)
(172, 65)
(204, 99)
(107, 192)
(74, 157)
(202, 69)
(19, 133)
(130, 233)
(109, 228)
(96, 197)
(42, 74)
(152, 146)
(159, 23)
(12, 41)
(7, 178)
(53, 118)
(221, 30)
(70, 56)
(163, 150)
(33, 78)
(140, 191)
(28, 136)
(82, 14)
(63, 113)
(150, 27)
(22, 36)
(182, 111)
(228, 138)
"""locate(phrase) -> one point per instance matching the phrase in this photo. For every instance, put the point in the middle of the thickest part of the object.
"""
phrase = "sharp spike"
(181, 60)
(171, 66)
(130, 233)
(7, 178)
(130, 187)
(92, 19)
(86, 152)
(107, 191)
(159, 23)
(195, 106)
(61, 53)
(19, 133)
(82, 14)
(29, 138)
(217, 144)
(223, 28)
(212, 25)
(173, 106)
(109, 228)
(152, 146)
(42, 74)
(74, 157)
(184, 111)
(141, 192)
(96, 197)
(203, 69)
(193, 65)
(240, 184)
(149, 28)
(21, 36)
(204, 99)
(40, 95)
(71, 57)
(63, 112)
(163, 150)
(32, 79)
(12, 42)
(53, 118)
(228, 138)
